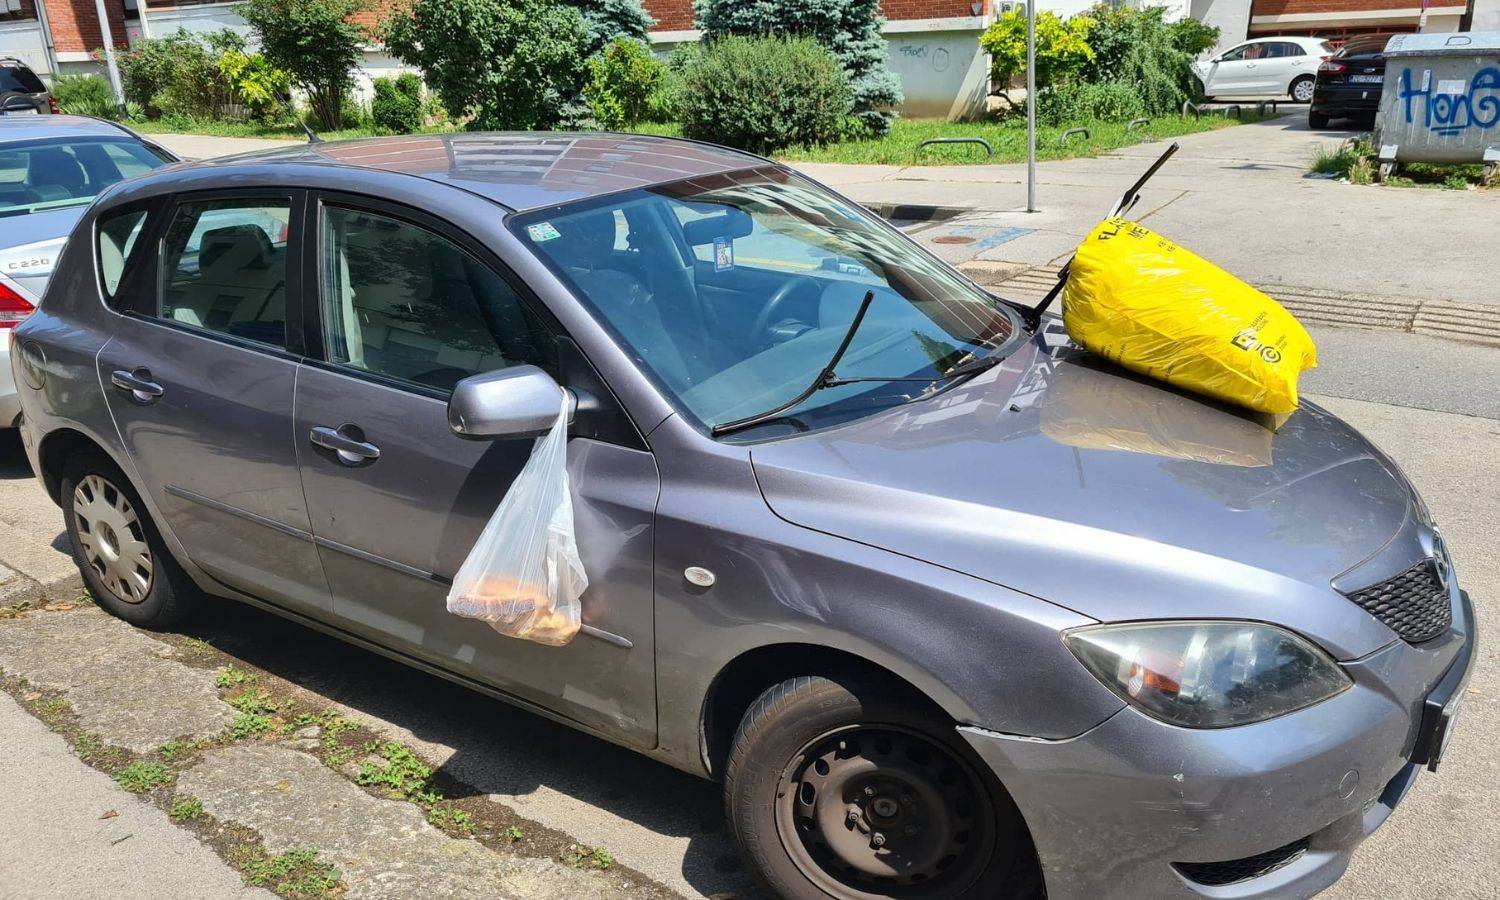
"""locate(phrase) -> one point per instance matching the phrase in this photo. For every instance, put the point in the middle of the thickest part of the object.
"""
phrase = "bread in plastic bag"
(524, 575)
(1142, 301)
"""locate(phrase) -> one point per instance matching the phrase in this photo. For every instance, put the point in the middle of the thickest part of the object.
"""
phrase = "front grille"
(1231, 871)
(1414, 604)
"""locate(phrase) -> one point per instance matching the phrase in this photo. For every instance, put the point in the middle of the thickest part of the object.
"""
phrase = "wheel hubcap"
(109, 534)
(882, 811)
(1304, 90)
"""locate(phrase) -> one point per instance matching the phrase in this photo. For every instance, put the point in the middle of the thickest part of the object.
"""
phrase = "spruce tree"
(609, 19)
(850, 29)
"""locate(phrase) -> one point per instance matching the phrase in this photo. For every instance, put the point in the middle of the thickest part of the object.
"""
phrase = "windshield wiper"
(826, 378)
(969, 365)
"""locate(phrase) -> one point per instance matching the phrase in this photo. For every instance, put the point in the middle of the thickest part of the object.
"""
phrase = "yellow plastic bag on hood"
(1140, 300)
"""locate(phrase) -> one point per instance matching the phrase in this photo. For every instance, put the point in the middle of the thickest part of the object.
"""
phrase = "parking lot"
(1429, 396)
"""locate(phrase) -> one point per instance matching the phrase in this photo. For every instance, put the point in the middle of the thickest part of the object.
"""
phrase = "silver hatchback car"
(952, 608)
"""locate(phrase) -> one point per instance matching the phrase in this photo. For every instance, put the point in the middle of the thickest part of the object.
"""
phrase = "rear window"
(44, 175)
(16, 78)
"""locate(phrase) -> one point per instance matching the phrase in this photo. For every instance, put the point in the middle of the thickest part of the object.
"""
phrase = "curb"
(916, 212)
(1471, 322)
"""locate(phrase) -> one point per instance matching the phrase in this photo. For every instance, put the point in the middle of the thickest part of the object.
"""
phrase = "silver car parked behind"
(952, 608)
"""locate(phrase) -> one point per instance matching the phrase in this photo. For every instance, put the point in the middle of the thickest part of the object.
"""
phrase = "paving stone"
(121, 683)
(383, 848)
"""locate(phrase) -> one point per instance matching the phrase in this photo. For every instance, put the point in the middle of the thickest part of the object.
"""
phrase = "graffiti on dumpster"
(1450, 109)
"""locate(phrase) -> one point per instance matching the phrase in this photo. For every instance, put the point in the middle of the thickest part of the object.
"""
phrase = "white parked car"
(1265, 67)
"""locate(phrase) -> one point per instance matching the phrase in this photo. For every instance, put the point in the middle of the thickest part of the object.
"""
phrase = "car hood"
(1061, 476)
(31, 245)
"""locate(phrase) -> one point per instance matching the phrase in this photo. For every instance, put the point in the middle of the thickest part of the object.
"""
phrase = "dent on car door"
(406, 312)
(199, 378)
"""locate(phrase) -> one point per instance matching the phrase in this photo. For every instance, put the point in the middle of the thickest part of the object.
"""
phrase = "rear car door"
(199, 378)
(407, 308)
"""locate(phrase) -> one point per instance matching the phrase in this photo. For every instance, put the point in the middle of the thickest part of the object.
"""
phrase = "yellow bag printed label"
(1140, 300)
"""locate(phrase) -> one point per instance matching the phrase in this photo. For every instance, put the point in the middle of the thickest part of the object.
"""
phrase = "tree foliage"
(316, 42)
(1062, 46)
(610, 19)
(849, 29)
(397, 104)
(510, 64)
(765, 93)
(1136, 47)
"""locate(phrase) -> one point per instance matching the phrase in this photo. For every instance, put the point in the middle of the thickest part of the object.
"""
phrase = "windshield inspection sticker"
(723, 254)
(542, 231)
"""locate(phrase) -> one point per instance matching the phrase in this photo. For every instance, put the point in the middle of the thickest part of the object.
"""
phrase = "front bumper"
(1135, 807)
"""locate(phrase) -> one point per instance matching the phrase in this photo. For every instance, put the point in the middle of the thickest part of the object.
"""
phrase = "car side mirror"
(513, 402)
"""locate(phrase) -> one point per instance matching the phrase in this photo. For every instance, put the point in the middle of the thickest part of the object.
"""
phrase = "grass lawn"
(1008, 138)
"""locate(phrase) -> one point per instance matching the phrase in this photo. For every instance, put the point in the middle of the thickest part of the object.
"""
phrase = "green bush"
(509, 64)
(397, 104)
(850, 29)
(1135, 47)
(1109, 101)
(85, 95)
(203, 76)
(1062, 47)
(665, 102)
(762, 94)
(621, 82)
(317, 43)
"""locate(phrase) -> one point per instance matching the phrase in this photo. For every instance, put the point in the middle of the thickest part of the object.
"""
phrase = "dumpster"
(1441, 101)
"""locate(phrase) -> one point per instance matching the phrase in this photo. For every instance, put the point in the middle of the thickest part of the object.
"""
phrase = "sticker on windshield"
(723, 254)
(542, 231)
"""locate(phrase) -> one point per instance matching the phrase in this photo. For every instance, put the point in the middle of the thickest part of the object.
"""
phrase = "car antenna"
(312, 136)
(1123, 206)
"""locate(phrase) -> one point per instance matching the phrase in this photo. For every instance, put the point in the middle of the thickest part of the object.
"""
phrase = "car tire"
(1317, 119)
(1301, 90)
(119, 552)
(834, 783)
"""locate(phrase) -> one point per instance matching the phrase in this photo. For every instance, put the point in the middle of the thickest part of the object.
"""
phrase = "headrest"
(732, 223)
(237, 247)
(53, 166)
(590, 236)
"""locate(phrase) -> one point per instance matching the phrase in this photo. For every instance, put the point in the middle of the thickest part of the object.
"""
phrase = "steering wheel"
(778, 300)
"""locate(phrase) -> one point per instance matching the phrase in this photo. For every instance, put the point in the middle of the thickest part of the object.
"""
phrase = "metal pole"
(1031, 106)
(109, 57)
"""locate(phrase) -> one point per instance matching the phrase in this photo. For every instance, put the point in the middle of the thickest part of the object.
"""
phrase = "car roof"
(29, 128)
(1296, 39)
(518, 170)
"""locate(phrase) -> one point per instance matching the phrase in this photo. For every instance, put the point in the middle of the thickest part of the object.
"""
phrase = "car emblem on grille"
(1439, 559)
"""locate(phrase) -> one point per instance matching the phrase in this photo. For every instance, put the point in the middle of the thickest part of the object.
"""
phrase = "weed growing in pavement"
(171, 750)
(254, 700)
(581, 857)
(1361, 171)
(295, 873)
(140, 777)
(450, 818)
(247, 724)
(404, 774)
(197, 645)
(515, 834)
(232, 676)
(185, 809)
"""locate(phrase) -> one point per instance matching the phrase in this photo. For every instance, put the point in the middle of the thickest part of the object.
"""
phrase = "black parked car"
(21, 92)
(1349, 82)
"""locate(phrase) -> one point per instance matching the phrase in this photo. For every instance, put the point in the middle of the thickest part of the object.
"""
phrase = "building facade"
(1339, 20)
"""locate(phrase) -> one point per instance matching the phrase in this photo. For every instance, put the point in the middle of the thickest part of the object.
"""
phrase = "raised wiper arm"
(826, 378)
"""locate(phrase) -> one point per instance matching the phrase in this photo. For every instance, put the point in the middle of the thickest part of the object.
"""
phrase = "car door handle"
(138, 383)
(348, 442)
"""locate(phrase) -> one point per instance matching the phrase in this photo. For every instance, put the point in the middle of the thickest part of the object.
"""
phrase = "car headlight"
(1207, 674)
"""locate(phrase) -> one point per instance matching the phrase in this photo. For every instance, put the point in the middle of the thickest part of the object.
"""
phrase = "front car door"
(407, 309)
(1234, 73)
(199, 378)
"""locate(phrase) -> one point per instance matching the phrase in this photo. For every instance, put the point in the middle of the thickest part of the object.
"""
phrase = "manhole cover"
(953, 239)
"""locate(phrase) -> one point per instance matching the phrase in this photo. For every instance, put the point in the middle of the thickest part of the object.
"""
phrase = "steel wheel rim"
(1303, 91)
(871, 811)
(113, 543)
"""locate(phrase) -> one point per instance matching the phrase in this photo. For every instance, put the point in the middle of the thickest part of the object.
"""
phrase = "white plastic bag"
(524, 575)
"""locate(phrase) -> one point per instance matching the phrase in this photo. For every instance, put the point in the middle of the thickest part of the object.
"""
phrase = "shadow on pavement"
(13, 464)
(497, 749)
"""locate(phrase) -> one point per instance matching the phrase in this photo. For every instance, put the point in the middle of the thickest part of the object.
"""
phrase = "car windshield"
(41, 175)
(734, 291)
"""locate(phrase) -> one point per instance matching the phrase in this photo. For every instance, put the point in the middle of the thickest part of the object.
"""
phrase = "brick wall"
(1292, 7)
(75, 24)
(677, 15)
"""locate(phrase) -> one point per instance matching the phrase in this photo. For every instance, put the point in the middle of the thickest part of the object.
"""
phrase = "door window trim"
(145, 288)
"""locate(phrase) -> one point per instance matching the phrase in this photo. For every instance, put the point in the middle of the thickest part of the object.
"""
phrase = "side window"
(402, 302)
(117, 239)
(1237, 54)
(223, 268)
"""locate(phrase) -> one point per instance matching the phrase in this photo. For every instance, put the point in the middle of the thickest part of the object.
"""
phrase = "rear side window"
(118, 236)
(223, 268)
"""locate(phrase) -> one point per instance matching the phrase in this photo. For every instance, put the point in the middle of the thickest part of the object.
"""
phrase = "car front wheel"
(842, 787)
(118, 550)
(1302, 89)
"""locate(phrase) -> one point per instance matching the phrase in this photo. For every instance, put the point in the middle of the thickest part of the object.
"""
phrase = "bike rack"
(1063, 138)
(1260, 108)
(1189, 106)
(1134, 123)
(1235, 108)
(988, 150)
